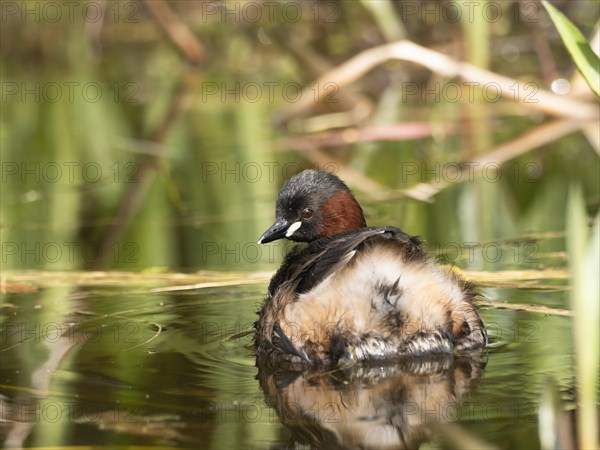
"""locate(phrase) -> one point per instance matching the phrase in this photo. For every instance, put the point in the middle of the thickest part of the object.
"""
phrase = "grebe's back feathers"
(308, 266)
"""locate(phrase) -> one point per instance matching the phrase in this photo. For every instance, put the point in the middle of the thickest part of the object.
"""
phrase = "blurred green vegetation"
(583, 55)
(120, 150)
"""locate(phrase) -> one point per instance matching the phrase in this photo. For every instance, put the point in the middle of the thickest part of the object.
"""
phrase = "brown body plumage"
(357, 293)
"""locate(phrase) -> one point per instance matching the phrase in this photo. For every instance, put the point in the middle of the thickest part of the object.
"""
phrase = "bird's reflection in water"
(383, 407)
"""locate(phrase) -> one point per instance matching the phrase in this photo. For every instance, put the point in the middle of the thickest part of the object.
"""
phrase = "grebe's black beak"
(276, 231)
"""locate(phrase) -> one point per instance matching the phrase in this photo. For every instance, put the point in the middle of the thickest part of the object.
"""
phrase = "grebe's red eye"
(306, 214)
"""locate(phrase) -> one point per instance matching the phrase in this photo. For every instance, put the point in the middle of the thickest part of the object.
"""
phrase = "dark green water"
(121, 365)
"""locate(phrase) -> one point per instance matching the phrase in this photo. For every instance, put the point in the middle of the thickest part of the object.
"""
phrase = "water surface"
(119, 363)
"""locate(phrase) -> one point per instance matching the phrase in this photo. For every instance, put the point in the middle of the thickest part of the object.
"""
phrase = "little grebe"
(356, 292)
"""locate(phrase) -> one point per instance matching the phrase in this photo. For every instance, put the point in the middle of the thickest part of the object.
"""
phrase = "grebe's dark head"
(312, 205)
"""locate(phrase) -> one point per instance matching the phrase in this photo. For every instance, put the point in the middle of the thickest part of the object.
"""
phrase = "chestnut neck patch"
(341, 213)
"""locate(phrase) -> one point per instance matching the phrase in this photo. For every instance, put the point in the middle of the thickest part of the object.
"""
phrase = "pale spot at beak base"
(293, 228)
